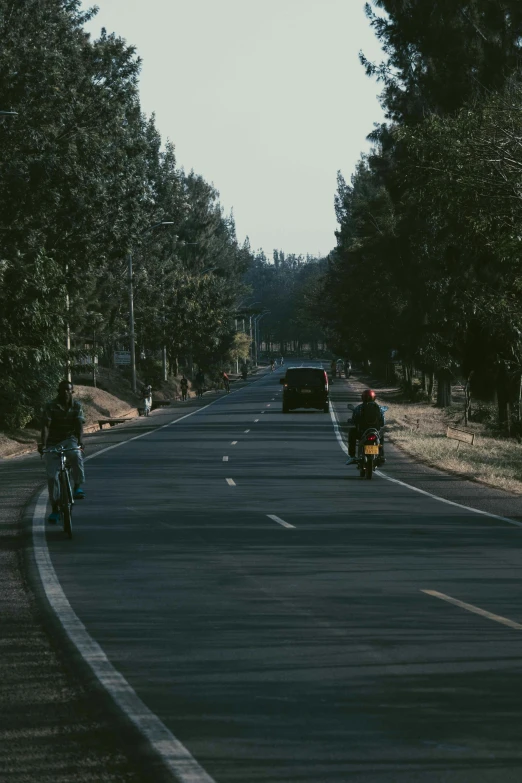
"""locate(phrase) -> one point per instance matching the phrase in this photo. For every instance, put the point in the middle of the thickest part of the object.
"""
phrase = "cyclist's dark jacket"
(63, 423)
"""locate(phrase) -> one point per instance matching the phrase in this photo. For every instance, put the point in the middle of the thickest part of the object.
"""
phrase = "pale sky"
(266, 99)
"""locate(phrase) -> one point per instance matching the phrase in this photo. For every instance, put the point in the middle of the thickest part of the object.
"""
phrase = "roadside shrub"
(17, 417)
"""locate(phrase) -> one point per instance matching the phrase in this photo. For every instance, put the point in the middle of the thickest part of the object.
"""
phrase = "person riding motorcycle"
(367, 414)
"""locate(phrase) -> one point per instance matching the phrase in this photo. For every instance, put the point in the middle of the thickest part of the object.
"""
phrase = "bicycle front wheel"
(66, 506)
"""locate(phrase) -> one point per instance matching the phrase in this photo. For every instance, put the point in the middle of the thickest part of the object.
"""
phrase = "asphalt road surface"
(267, 604)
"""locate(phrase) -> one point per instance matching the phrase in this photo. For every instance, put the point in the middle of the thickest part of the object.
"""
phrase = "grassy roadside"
(420, 430)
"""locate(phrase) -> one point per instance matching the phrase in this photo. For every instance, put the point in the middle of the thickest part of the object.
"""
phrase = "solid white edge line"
(342, 444)
(475, 609)
(280, 521)
(174, 755)
(178, 760)
(450, 502)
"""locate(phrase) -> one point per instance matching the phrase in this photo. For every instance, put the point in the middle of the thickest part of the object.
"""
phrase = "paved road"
(308, 653)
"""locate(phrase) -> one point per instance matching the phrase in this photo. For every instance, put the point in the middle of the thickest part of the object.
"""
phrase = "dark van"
(305, 387)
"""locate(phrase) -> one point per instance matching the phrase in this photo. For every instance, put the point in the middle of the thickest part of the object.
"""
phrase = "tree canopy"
(428, 237)
(84, 176)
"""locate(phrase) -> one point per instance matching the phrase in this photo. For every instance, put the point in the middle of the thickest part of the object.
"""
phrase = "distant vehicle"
(305, 387)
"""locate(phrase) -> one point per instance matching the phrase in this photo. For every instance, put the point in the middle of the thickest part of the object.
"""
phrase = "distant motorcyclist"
(368, 414)
(244, 372)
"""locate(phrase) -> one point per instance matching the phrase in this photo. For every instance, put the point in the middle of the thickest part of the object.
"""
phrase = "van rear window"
(304, 377)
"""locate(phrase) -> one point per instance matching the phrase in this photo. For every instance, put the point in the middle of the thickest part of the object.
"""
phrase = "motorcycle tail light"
(371, 437)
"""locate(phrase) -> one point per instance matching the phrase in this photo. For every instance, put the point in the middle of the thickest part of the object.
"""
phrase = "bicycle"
(66, 502)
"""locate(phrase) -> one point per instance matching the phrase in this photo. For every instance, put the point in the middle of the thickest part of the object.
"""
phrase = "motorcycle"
(368, 448)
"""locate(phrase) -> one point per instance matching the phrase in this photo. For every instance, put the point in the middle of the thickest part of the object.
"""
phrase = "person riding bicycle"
(368, 414)
(226, 381)
(200, 382)
(62, 425)
(184, 387)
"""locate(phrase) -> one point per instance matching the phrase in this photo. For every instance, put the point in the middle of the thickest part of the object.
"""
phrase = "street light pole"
(132, 335)
(257, 319)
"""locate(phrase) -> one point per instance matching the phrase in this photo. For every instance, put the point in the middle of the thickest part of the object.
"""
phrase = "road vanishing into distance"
(272, 610)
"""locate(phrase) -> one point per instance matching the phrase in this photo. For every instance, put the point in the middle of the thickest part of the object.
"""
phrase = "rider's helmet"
(368, 395)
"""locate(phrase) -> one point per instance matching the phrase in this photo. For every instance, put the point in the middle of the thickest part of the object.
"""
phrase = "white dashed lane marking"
(255, 421)
(231, 482)
(225, 459)
(247, 430)
(234, 442)
(280, 521)
(475, 609)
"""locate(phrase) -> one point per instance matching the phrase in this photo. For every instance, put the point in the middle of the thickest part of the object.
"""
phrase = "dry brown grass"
(420, 429)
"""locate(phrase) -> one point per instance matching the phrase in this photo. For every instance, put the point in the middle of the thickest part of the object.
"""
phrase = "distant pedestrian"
(184, 387)
(147, 399)
(200, 383)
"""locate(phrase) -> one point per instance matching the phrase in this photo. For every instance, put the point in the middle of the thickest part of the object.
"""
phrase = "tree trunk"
(503, 398)
(467, 400)
(443, 389)
(431, 383)
(408, 376)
